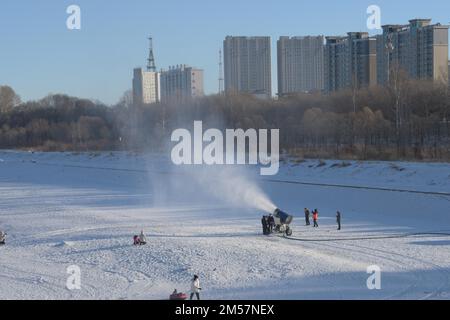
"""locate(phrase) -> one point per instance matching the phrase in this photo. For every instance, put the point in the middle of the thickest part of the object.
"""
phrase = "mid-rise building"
(420, 49)
(146, 87)
(300, 64)
(180, 83)
(247, 65)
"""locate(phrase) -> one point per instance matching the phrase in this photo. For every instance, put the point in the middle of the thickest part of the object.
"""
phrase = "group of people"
(195, 290)
(2, 238)
(315, 214)
(268, 224)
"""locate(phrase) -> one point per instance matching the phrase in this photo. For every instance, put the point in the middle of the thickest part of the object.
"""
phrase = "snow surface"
(63, 209)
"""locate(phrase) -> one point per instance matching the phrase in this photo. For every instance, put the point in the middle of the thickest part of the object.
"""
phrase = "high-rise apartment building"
(363, 64)
(335, 64)
(247, 65)
(180, 83)
(300, 64)
(146, 87)
(420, 49)
(350, 62)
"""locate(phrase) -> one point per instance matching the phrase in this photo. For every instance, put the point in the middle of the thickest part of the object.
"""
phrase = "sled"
(138, 242)
(178, 296)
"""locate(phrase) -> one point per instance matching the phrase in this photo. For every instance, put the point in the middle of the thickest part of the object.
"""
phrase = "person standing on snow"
(271, 221)
(195, 287)
(316, 218)
(307, 214)
(264, 225)
(338, 220)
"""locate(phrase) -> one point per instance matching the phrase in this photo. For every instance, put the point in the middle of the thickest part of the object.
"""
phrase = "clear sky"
(39, 55)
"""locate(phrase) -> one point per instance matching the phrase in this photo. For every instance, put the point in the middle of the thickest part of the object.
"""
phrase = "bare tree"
(126, 101)
(8, 99)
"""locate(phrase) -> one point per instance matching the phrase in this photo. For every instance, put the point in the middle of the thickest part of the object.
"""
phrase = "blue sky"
(39, 55)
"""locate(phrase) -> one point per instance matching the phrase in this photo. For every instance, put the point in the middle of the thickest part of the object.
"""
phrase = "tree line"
(408, 119)
(56, 123)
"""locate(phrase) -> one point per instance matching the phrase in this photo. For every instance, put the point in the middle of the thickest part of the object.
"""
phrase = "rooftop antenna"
(221, 80)
(151, 66)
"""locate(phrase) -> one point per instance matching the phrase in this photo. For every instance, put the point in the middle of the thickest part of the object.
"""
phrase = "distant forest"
(408, 120)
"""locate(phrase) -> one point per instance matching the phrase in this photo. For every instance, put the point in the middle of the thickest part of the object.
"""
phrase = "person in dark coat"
(271, 222)
(307, 214)
(338, 220)
(264, 225)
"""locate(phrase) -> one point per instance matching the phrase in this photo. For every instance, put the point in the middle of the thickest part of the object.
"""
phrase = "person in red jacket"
(316, 218)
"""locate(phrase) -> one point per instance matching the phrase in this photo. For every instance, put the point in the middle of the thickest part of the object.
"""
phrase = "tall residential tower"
(419, 48)
(247, 62)
(300, 64)
(350, 62)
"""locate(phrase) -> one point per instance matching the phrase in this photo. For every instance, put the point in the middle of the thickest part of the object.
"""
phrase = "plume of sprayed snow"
(233, 186)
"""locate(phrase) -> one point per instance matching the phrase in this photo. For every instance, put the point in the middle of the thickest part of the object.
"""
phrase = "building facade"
(146, 87)
(300, 64)
(350, 62)
(247, 65)
(420, 49)
(335, 64)
(364, 60)
(180, 83)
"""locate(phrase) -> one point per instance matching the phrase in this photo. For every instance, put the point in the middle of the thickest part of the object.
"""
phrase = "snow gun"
(282, 222)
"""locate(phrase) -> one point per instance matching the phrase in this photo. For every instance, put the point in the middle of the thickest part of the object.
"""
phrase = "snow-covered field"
(63, 209)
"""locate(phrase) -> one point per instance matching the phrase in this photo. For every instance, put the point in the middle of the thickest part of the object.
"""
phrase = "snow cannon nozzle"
(284, 217)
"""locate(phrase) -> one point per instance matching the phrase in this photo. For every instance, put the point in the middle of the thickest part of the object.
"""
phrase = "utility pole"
(389, 48)
(354, 76)
(221, 80)
(151, 66)
(396, 87)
